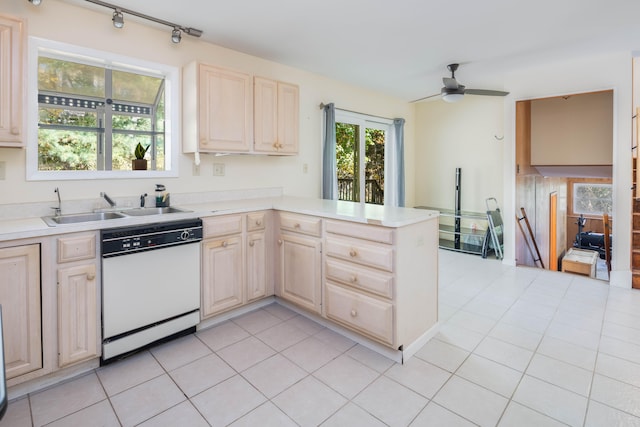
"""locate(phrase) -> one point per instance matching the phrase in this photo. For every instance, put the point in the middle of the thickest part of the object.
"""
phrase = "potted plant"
(140, 163)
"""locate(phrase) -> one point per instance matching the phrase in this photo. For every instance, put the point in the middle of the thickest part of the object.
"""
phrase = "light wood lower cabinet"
(222, 275)
(235, 261)
(77, 313)
(21, 309)
(299, 265)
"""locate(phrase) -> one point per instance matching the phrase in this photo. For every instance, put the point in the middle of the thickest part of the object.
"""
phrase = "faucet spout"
(108, 199)
(142, 196)
(57, 209)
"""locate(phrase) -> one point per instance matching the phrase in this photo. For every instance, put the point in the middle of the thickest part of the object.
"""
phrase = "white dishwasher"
(150, 284)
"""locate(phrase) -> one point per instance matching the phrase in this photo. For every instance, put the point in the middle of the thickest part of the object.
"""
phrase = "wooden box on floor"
(580, 261)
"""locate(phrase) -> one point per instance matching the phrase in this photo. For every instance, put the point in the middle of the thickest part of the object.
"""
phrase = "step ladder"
(495, 237)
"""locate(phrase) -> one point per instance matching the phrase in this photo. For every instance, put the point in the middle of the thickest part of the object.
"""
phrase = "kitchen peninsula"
(367, 271)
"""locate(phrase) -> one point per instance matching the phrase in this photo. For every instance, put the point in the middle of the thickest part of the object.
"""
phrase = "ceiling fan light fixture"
(452, 97)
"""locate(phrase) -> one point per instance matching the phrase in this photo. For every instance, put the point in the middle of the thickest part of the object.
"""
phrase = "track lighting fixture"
(176, 35)
(118, 19)
(35, 2)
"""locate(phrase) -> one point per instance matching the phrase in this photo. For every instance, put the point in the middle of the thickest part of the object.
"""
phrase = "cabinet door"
(300, 270)
(265, 125)
(77, 314)
(288, 118)
(21, 310)
(225, 110)
(256, 266)
(11, 84)
(222, 275)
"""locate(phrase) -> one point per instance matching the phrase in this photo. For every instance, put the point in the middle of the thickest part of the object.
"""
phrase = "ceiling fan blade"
(426, 97)
(485, 92)
(450, 83)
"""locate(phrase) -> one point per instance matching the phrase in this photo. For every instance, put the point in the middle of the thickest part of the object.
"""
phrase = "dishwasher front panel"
(144, 288)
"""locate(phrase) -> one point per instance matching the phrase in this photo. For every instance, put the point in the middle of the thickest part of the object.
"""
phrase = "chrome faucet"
(57, 209)
(108, 199)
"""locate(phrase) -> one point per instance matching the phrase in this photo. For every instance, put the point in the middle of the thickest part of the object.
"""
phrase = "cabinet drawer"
(301, 224)
(364, 278)
(366, 314)
(361, 231)
(256, 221)
(378, 256)
(221, 226)
(76, 248)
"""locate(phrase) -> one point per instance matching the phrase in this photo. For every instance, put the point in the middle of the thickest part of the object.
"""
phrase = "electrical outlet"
(196, 170)
(218, 169)
(305, 168)
(3, 171)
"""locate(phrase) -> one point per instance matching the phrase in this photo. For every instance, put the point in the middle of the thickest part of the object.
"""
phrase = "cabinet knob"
(15, 131)
(258, 222)
(91, 276)
(296, 226)
(224, 244)
(280, 242)
(353, 279)
(252, 243)
(353, 253)
(354, 313)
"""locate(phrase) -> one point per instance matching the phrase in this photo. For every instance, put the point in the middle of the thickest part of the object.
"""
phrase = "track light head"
(118, 19)
(35, 2)
(176, 35)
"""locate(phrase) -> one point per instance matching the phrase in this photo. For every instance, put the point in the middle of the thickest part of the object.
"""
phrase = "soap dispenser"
(162, 197)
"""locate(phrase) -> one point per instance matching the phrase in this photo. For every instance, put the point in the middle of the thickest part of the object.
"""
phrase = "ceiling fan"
(454, 91)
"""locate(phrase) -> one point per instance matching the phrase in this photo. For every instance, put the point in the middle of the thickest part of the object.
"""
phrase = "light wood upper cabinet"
(217, 109)
(21, 309)
(276, 117)
(12, 58)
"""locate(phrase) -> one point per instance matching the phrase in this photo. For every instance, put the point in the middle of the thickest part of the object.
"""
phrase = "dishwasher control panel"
(124, 240)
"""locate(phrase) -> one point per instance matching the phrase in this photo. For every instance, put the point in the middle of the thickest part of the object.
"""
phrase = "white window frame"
(104, 59)
(365, 121)
(574, 188)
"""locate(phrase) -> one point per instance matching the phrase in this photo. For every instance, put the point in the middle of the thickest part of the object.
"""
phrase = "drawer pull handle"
(224, 244)
(353, 253)
(354, 279)
(354, 313)
(251, 243)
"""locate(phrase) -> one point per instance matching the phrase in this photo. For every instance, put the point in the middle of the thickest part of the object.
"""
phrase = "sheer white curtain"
(394, 165)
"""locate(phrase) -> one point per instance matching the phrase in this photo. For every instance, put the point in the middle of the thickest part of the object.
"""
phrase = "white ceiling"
(402, 47)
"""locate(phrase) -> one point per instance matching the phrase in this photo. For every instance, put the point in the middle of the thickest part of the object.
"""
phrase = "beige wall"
(63, 22)
(467, 134)
(572, 130)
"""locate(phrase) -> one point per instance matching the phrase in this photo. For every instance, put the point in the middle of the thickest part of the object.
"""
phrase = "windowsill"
(91, 175)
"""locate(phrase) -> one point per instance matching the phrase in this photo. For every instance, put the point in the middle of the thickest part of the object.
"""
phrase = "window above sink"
(90, 110)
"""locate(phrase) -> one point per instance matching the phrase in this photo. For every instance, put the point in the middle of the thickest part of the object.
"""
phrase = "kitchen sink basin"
(82, 217)
(152, 211)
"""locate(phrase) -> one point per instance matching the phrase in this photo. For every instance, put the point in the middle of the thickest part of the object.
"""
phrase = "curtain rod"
(322, 105)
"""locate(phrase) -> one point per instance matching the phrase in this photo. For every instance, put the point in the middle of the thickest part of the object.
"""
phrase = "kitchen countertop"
(11, 229)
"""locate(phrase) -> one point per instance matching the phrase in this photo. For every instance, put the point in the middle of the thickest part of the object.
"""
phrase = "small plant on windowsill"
(140, 163)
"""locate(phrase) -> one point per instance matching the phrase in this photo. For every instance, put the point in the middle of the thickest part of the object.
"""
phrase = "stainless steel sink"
(153, 211)
(82, 217)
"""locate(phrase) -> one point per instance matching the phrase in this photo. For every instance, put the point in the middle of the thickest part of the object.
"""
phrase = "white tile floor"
(517, 347)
